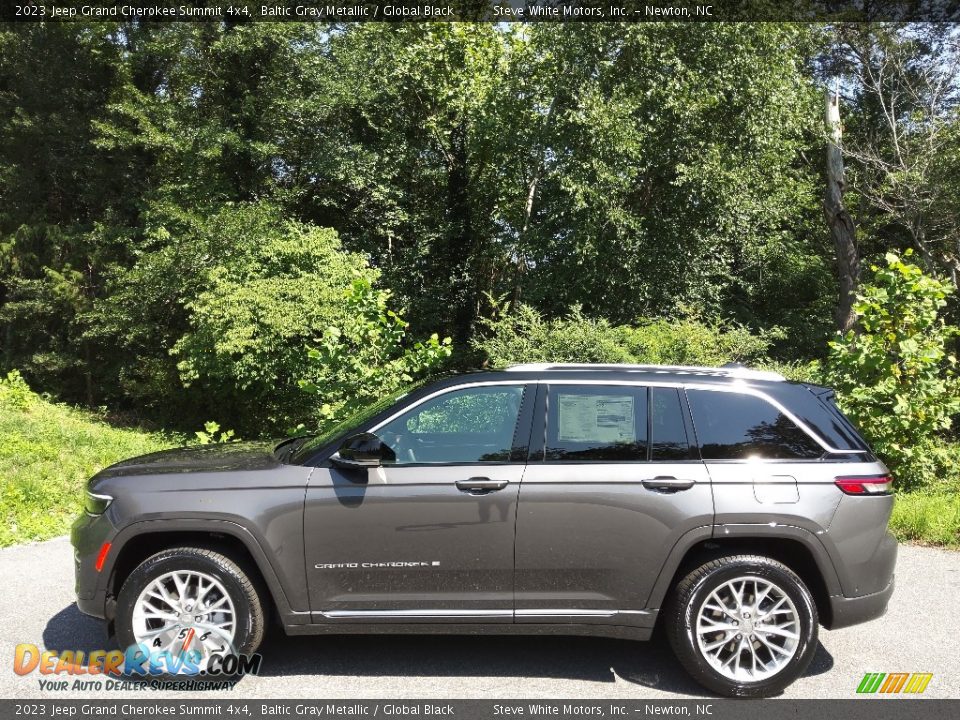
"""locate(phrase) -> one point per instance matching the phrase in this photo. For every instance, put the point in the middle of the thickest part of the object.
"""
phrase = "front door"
(429, 537)
(617, 483)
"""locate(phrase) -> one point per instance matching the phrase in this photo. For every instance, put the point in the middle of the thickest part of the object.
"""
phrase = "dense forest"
(185, 208)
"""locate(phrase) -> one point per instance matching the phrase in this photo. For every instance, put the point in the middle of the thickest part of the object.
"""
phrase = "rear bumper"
(846, 611)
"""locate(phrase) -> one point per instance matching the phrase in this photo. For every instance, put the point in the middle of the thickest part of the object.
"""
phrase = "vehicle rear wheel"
(743, 626)
(190, 600)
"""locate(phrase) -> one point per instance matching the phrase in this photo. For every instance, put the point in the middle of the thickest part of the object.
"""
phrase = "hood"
(204, 458)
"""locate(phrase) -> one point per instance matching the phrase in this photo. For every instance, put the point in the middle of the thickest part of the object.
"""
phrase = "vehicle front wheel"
(743, 625)
(190, 600)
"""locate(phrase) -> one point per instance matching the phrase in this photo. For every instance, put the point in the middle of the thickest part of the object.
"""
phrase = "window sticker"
(596, 418)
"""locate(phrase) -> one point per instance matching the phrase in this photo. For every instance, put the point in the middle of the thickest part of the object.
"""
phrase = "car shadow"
(650, 664)
(70, 629)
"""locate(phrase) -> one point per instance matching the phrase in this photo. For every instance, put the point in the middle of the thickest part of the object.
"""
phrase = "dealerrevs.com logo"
(890, 683)
(118, 669)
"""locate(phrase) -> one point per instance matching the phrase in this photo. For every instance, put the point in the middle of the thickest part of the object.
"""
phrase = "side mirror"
(362, 451)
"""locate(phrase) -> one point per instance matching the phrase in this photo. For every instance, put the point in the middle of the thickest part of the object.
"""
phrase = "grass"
(47, 453)
(931, 519)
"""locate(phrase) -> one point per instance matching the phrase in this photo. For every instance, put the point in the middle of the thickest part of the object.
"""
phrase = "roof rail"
(733, 370)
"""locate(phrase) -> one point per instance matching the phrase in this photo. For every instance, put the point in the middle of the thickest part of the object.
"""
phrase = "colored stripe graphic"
(918, 682)
(914, 683)
(894, 682)
(870, 682)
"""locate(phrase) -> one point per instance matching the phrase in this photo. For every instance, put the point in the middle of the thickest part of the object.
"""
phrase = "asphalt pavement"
(919, 633)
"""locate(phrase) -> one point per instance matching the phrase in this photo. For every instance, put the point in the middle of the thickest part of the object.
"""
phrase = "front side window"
(596, 423)
(463, 426)
(736, 426)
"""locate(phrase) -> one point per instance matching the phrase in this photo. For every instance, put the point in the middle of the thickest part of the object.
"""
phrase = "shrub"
(366, 357)
(692, 342)
(893, 374)
(15, 394)
(524, 335)
(274, 286)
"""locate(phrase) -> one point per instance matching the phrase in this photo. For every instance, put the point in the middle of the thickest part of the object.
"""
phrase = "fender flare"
(223, 527)
(746, 531)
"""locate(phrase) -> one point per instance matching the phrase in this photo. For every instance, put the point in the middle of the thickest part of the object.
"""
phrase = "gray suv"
(733, 509)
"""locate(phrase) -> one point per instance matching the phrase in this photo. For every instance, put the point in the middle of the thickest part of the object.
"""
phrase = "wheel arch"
(139, 541)
(796, 548)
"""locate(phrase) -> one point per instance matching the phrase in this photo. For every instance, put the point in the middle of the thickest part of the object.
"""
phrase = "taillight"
(865, 484)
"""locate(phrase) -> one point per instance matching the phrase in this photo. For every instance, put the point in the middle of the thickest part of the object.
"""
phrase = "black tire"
(240, 587)
(693, 590)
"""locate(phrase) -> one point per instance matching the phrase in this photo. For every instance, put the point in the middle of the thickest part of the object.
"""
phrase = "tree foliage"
(366, 357)
(183, 210)
(525, 335)
(896, 376)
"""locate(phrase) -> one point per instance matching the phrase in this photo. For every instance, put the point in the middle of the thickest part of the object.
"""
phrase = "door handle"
(481, 485)
(667, 483)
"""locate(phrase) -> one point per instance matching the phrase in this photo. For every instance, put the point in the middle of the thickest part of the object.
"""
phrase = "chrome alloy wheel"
(185, 611)
(748, 629)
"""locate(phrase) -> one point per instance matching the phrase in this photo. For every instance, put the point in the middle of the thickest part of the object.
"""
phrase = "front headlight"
(96, 504)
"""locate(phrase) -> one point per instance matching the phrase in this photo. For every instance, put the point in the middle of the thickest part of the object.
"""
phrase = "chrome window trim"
(736, 386)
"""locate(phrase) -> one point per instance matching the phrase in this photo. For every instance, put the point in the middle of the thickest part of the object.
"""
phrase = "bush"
(524, 335)
(893, 374)
(275, 285)
(693, 342)
(15, 394)
(366, 357)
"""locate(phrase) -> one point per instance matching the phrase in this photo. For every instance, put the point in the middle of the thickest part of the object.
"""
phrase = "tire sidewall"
(806, 647)
(168, 562)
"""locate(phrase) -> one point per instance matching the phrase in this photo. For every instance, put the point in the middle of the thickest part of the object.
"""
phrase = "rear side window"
(818, 411)
(668, 433)
(736, 426)
(596, 423)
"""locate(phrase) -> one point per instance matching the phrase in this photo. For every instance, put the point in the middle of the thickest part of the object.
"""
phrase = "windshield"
(340, 430)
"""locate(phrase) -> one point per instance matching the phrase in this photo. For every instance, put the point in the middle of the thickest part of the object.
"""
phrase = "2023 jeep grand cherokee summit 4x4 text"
(736, 509)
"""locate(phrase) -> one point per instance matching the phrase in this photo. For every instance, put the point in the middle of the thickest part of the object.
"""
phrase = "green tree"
(366, 357)
(271, 286)
(901, 85)
(895, 376)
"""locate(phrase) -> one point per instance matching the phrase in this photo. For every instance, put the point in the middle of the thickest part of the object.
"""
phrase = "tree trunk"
(842, 229)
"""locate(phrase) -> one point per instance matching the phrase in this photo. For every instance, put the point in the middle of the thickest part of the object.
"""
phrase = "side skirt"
(446, 628)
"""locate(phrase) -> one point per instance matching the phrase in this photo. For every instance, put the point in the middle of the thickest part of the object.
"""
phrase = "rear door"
(429, 537)
(614, 481)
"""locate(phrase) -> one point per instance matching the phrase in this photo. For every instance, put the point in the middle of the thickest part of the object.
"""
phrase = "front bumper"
(87, 536)
(846, 611)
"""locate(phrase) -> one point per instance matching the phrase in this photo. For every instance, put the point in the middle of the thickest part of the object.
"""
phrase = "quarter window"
(597, 423)
(463, 426)
(736, 426)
